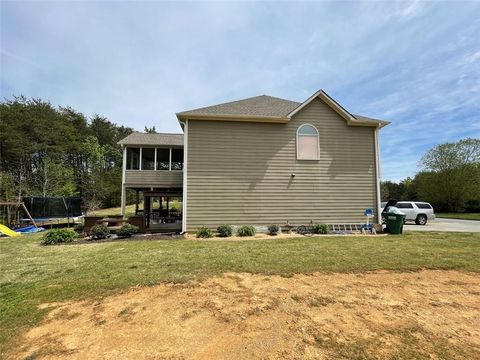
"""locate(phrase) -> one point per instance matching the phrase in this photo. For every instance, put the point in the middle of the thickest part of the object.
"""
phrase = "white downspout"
(378, 174)
(185, 184)
(124, 166)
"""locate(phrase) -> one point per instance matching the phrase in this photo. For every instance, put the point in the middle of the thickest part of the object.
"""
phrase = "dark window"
(404, 206)
(148, 159)
(163, 159)
(423, 206)
(177, 159)
(133, 158)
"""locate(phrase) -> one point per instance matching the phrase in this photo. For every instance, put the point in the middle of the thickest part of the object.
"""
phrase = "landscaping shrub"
(127, 230)
(204, 232)
(273, 229)
(99, 232)
(246, 230)
(57, 236)
(78, 228)
(224, 230)
(320, 229)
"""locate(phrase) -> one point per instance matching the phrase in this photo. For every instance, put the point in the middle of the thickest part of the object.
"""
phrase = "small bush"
(99, 232)
(224, 230)
(127, 230)
(78, 227)
(57, 236)
(320, 229)
(204, 232)
(273, 229)
(246, 230)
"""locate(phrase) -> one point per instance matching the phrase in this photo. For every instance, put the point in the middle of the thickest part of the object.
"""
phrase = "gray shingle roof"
(262, 106)
(138, 138)
(368, 119)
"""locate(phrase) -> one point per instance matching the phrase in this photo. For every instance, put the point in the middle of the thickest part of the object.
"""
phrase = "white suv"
(417, 211)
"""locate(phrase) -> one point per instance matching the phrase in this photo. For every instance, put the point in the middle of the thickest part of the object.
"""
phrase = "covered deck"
(158, 210)
(153, 168)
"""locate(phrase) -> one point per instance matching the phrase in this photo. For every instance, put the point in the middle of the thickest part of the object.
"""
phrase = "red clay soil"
(427, 314)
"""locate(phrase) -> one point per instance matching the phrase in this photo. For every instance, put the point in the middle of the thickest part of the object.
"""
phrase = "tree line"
(449, 178)
(58, 151)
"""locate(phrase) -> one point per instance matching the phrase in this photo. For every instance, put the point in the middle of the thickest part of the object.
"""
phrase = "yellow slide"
(7, 231)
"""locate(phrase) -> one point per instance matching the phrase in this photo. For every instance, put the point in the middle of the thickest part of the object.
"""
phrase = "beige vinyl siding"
(240, 173)
(151, 178)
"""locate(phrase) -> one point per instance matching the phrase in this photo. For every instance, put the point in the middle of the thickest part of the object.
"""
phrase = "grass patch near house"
(32, 274)
(129, 211)
(461, 216)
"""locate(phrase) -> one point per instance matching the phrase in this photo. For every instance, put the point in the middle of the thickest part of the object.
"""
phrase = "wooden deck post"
(136, 201)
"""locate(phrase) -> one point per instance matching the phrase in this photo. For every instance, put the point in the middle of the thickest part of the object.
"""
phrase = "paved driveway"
(441, 224)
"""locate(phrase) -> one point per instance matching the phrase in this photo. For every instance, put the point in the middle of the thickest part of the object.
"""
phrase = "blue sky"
(414, 63)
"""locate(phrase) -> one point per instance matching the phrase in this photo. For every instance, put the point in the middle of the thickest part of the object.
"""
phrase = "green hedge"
(99, 232)
(246, 230)
(204, 232)
(224, 230)
(57, 236)
(127, 230)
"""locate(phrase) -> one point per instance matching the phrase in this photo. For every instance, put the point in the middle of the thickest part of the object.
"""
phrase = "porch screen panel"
(163, 159)
(133, 158)
(148, 158)
(177, 159)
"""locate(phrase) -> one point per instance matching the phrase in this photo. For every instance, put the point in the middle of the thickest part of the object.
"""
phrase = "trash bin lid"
(390, 203)
(394, 210)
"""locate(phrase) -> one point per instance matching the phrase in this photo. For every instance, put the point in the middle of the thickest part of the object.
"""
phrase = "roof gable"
(353, 120)
(272, 109)
(262, 106)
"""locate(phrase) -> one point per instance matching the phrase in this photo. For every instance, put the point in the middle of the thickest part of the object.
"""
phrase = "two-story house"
(257, 161)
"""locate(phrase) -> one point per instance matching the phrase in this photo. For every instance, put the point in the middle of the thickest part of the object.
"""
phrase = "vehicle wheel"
(421, 220)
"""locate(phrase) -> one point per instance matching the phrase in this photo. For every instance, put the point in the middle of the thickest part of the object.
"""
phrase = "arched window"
(308, 147)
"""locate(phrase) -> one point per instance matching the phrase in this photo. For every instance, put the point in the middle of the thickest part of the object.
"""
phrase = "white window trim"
(318, 142)
(170, 160)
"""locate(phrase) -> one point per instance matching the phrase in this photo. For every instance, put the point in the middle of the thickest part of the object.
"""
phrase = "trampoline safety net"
(53, 207)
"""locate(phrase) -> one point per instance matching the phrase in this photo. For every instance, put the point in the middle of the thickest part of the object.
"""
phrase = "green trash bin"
(395, 223)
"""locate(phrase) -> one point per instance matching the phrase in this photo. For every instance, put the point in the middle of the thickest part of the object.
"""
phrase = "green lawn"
(129, 211)
(31, 274)
(463, 216)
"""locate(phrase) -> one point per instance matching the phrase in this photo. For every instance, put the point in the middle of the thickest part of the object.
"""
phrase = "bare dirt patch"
(427, 314)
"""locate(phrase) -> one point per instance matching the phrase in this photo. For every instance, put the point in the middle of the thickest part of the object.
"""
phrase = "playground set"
(34, 213)
(10, 215)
